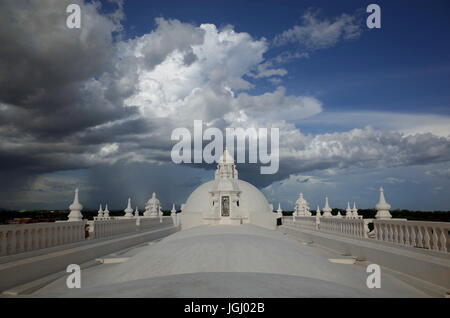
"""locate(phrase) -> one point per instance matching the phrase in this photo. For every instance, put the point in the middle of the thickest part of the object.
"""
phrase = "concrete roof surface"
(229, 261)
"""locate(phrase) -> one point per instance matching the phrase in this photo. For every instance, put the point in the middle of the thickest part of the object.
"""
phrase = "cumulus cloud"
(314, 33)
(89, 100)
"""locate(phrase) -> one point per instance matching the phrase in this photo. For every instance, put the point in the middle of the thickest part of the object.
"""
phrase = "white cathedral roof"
(246, 201)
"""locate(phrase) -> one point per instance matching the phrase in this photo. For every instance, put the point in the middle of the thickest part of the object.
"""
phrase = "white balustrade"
(352, 227)
(429, 235)
(19, 238)
(307, 222)
(146, 223)
(104, 227)
(109, 226)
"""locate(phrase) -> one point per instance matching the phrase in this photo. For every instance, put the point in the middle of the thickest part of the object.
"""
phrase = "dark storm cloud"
(86, 99)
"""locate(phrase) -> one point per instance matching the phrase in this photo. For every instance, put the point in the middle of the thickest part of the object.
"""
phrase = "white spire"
(226, 169)
(106, 212)
(136, 212)
(152, 208)
(301, 206)
(129, 211)
(354, 211)
(318, 212)
(326, 209)
(100, 212)
(382, 207)
(348, 211)
(226, 157)
(75, 209)
(279, 211)
(173, 211)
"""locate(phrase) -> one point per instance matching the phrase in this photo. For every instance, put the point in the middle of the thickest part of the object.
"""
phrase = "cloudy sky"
(94, 107)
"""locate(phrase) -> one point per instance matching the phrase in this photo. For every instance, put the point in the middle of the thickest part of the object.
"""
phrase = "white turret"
(226, 169)
(75, 209)
(355, 211)
(153, 206)
(100, 212)
(279, 211)
(318, 212)
(348, 211)
(326, 209)
(173, 212)
(128, 211)
(106, 212)
(136, 212)
(382, 207)
(301, 207)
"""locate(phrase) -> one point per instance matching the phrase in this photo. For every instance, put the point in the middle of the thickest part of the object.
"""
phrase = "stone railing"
(429, 235)
(307, 222)
(104, 227)
(351, 227)
(108, 227)
(29, 237)
(151, 222)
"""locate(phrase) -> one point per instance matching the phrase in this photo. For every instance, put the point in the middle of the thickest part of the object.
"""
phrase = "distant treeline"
(52, 216)
(435, 216)
(61, 215)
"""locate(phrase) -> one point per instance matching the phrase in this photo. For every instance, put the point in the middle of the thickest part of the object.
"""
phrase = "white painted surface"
(245, 201)
(229, 261)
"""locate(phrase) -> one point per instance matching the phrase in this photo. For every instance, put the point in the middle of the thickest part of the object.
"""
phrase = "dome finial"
(355, 210)
(100, 212)
(326, 209)
(106, 211)
(226, 168)
(129, 211)
(348, 211)
(279, 211)
(173, 211)
(75, 209)
(382, 207)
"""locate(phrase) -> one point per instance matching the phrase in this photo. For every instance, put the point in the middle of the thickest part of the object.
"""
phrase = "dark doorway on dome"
(226, 206)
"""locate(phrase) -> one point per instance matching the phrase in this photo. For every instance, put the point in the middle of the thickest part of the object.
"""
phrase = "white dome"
(227, 200)
(250, 198)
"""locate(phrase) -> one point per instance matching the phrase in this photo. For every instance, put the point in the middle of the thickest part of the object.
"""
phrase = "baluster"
(55, 236)
(378, 231)
(435, 238)
(2, 243)
(11, 242)
(383, 229)
(385, 232)
(390, 233)
(413, 236)
(395, 233)
(45, 236)
(427, 238)
(60, 235)
(41, 238)
(20, 241)
(443, 240)
(419, 236)
(72, 233)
